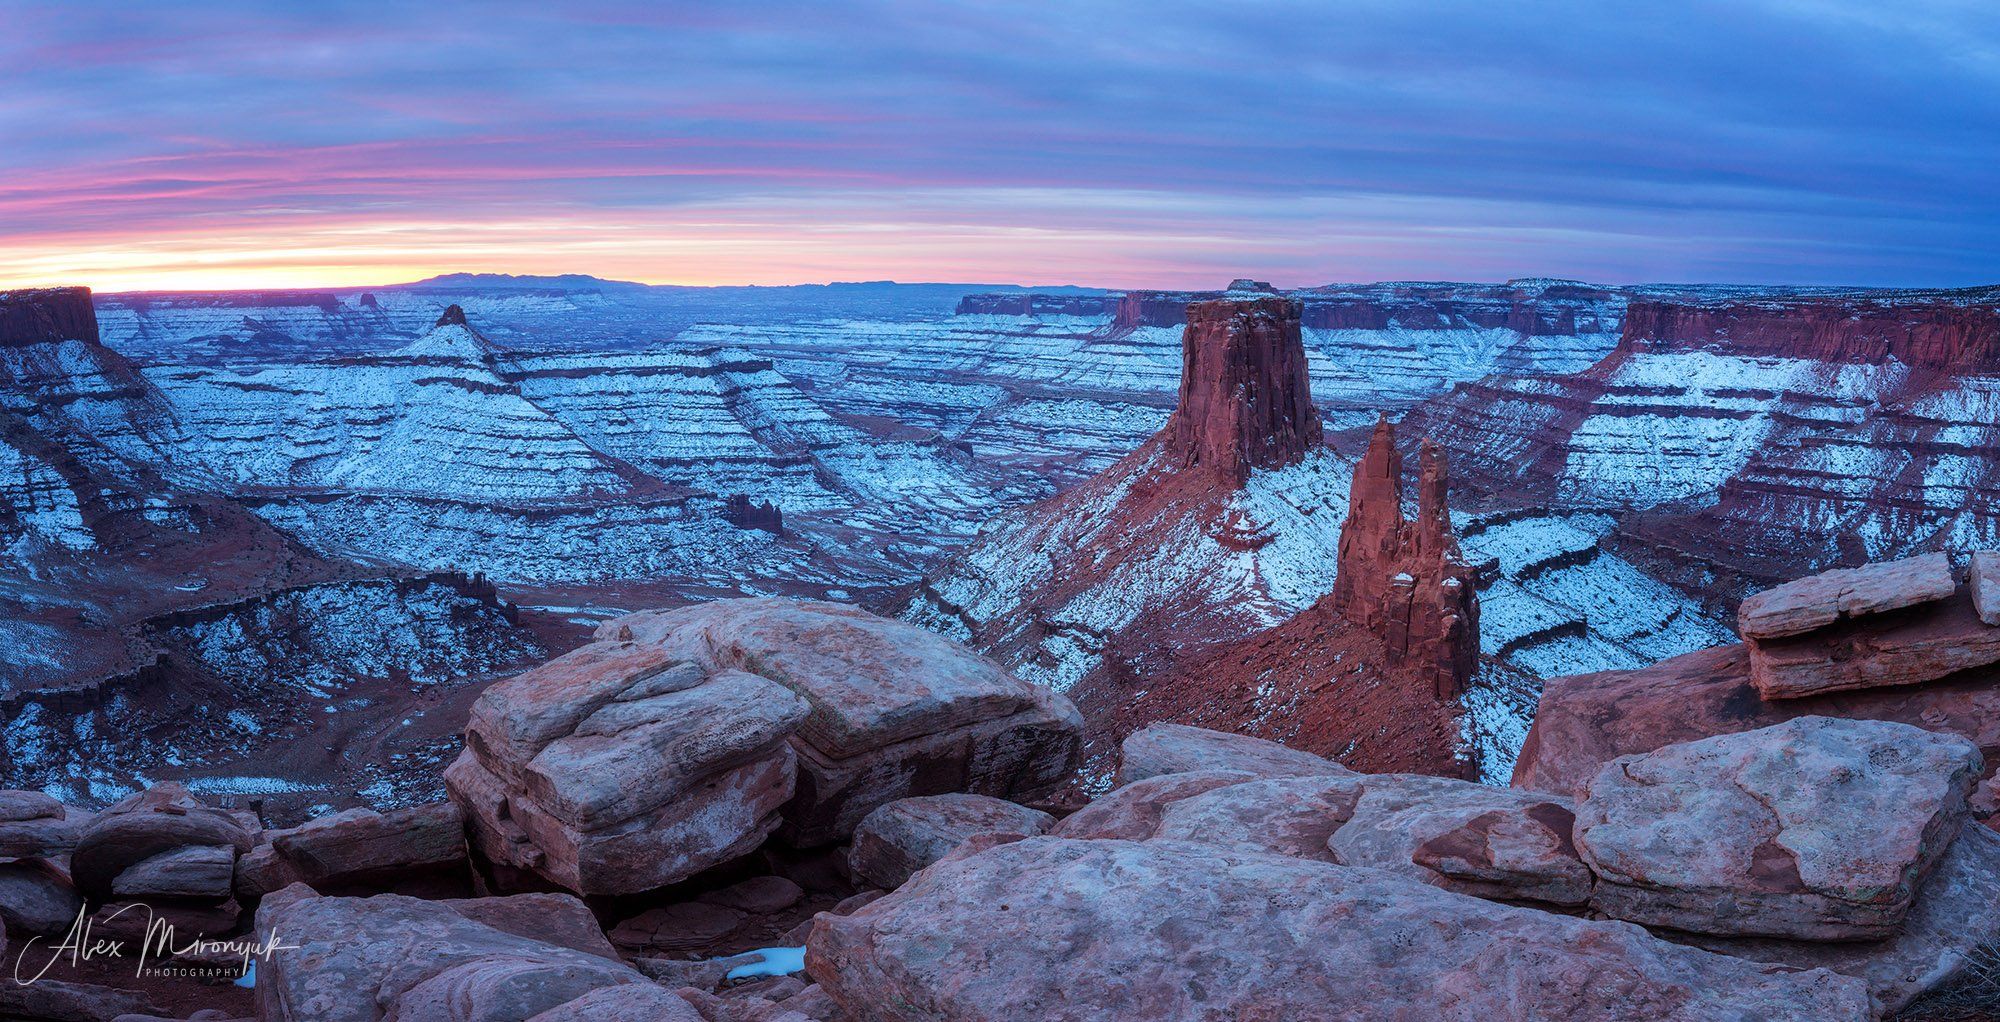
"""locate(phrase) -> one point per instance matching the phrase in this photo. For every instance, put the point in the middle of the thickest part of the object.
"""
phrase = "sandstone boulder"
(53, 1000)
(1811, 603)
(627, 1002)
(620, 768)
(894, 710)
(757, 896)
(1818, 828)
(36, 898)
(1983, 578)
(1587, 720)
(677, 930)
(35, 826)
(1177, 748)
(557, 919)
(192, 871)
(361, 844)
(1132, 812)
(904, 836)
(1472, 838)
(392, 957)
(1029, 930)
(162, 819)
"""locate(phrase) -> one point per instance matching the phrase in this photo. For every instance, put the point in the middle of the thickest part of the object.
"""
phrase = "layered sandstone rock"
(892, 710)
(391, 957)
(36, 897)
(1900, 642)
(1897, 623)
(1814, 602)
(1983, 576)
(361, 845)
(1407, 581)
(904, 836)
(1244, 400)
(620, 767)
(1132, 812)
(35, 826)
(1177, 748)
(161, 853)
(1029, 930)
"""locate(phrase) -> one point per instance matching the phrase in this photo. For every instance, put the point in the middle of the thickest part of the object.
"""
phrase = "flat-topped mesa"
(1244, 401)
(1941, 334)
(46, 315)
(1407, 581)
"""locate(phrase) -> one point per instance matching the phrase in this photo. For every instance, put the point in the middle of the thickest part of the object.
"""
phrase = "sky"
(208, 145)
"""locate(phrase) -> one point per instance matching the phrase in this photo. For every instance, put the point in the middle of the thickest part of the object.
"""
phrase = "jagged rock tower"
(1244, 401)
(1407, 581)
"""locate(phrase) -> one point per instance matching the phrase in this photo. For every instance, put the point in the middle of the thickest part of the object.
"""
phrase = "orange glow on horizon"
(706, 248)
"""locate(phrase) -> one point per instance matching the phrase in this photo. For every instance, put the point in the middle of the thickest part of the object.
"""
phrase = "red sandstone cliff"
(1927, 334)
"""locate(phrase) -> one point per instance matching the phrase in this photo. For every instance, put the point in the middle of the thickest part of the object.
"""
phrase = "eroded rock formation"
(1244, 400)
(1405, 580)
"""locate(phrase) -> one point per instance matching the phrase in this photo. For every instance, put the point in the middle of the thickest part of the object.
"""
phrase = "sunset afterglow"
(225, 145)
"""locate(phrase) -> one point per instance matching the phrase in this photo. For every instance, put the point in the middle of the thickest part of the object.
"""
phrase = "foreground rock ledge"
(1817, 828)
(1028, 930)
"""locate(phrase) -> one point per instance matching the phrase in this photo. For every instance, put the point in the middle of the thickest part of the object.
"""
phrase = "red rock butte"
(1244, 400)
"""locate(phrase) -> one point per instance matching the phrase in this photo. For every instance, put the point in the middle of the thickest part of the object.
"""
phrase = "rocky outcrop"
(1812, 603)
(904, 836)
(46, 315)
(1818, 828)
(1407, 581)
(994, 934)
(745, 513)
(1177, 748)
(1244, 402)
(620, 767)
(367, 959)
(165, 852)
(35, 826)
(1472, 838)
(1877, 643)
(1034, 304)
(358, 848)
(1883, 625)
(892, 710)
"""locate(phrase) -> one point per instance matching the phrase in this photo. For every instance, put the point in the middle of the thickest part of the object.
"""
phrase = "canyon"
(702, 674)
(1625, 464)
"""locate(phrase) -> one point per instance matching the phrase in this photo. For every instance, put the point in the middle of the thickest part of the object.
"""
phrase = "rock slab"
(1025, 931)
(1819, 828)
(904, 836)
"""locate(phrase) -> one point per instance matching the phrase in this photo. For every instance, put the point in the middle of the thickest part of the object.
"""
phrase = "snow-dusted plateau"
(275, 542)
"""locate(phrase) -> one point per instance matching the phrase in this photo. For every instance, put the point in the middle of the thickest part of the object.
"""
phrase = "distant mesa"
(46, 315)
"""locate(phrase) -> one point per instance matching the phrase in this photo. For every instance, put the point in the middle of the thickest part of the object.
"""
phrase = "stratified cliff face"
(1407, 581)
(1936, 334)
(46, 316)
(1244, 402)
(1032, 304)
(1765, 435)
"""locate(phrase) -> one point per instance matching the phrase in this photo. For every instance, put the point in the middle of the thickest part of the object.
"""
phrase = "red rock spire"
(1244, 401)
(1407, 581)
